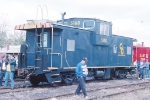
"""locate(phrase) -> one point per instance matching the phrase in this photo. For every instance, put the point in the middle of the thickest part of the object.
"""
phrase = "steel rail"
(63, 95)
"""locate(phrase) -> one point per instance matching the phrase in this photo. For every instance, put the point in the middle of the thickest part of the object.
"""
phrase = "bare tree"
(17, 38)
(6, 37)
(3, 30)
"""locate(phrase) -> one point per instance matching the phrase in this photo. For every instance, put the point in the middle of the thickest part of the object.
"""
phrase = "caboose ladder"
(38, 48)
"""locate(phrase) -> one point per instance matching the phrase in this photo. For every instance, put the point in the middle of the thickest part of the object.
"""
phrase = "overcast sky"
(130, 18)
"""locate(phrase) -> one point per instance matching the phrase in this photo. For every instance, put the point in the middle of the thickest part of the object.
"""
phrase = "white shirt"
(135, 64)
(85, 70)
(4, 66)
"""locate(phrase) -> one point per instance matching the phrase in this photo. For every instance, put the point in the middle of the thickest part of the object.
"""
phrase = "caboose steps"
(46, 70)
(56, 81)
(55, 74)
(50, 68)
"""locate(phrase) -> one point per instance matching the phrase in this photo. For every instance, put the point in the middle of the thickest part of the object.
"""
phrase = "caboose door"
(45, 49)
(51, 49)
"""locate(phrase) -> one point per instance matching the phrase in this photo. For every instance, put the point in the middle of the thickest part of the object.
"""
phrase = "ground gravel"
(41, 92)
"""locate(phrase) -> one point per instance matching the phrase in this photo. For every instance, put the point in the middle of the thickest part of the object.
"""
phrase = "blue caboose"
(53, 49)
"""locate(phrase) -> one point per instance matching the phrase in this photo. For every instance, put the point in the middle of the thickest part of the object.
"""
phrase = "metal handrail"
(41, 11)
(60, 58)
(52, 46)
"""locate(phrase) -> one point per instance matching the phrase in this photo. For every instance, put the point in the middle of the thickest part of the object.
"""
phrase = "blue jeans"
(2, 74)
(147, 72)
(141, 73)
(9, 75)
(81, 86)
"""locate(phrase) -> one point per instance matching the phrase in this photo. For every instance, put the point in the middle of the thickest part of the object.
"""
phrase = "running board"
(52, 68)
(33, 67)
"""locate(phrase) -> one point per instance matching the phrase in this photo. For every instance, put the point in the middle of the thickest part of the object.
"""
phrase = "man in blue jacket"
(147, 69)
(141, 65)
(10, 71)
(81, 72)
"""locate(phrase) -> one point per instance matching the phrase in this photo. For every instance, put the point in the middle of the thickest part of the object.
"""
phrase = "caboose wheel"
(68, 78)
(34, 81)
(122, 74)
(96, 78)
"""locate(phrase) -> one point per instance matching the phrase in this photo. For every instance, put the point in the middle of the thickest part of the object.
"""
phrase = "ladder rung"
(30, 52)
(33, 67)
(47, 48)
(38, 43)
(46, 70)
(37, 67)
(38, 51)
(55, 53)
(51, 68)
(37, 59)
(30, 66)
(38, 35)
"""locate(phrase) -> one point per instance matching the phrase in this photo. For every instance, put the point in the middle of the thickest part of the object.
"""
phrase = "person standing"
(0, 72)
(147, 69)
(3, 70)
(10, 69)
(81, 72)
(135, 63)
(141, 69)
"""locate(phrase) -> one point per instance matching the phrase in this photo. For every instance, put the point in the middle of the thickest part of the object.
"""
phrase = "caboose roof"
(85, 19)
(32, 24)
(135, 40)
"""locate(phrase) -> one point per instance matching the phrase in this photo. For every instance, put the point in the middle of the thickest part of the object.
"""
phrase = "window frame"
(105, 29)
(42, 38)
(86, 21)
(114, 48)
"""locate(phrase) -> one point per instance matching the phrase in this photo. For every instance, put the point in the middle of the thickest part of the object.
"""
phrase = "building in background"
(9, 49)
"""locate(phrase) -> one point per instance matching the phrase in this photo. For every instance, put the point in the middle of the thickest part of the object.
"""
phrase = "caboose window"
(89, 24)
(128, 50)
(45, 39)
(104, 29)
(115, 49)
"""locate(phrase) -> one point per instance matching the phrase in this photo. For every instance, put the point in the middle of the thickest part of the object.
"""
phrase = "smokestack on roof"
(142, 44)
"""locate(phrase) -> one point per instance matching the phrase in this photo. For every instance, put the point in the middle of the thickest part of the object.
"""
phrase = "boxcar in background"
(141, 52)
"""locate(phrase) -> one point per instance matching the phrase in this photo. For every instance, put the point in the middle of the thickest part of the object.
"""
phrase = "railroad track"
(22, 87)
(139, 86)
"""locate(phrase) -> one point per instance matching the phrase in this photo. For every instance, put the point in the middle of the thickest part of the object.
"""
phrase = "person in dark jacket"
(3, 70)
(10, 69)
(81, 72)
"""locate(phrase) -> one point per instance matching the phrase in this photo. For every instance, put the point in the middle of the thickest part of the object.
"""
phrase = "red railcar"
(141, 52)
